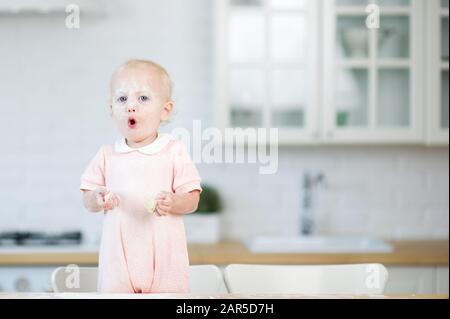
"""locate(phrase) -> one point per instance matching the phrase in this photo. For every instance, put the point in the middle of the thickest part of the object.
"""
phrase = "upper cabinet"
(373, 65)
(437, 75)
(326, 71)
(267, 66)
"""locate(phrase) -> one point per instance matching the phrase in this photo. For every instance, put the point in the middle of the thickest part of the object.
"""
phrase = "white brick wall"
(54, 92)
(393, 192)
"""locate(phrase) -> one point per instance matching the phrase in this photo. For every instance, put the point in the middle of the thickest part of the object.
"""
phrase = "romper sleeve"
(185, 175)
(94, 175)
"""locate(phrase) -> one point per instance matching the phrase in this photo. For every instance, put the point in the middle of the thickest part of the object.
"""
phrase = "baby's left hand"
(165, 202)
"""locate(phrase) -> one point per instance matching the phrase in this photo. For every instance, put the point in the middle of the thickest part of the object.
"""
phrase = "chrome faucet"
(310, 181)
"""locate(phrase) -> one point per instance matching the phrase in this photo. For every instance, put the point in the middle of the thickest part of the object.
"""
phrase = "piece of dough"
(150, 205)
(108, 196)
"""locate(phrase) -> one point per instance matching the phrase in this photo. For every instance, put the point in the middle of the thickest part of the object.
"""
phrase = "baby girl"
(144, 184)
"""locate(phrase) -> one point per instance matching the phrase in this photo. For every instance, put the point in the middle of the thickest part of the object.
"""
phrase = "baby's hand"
(106, 199)
(164, 203)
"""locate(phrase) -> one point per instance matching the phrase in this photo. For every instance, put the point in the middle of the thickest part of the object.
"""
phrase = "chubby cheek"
(149, 124)
(121, 123)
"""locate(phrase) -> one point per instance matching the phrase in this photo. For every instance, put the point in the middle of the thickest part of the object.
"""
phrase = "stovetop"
(24, 238)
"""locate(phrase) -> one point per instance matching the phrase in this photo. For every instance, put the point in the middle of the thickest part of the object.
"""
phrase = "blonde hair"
(147, 63)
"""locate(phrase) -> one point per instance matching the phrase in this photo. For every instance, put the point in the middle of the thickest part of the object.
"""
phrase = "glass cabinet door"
(444, 66)
(246, 55)
(270, 64)
(371, 72)
(438, 68)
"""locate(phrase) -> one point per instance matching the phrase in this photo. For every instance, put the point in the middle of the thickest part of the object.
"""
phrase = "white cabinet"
(442, 280)
(373, 72)
(25, 278)
(417, 280)
(409, 280)
(267, 63)
(437, 75)
(317, 71)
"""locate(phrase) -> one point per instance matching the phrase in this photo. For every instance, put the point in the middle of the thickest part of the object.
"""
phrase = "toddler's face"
(139, 102)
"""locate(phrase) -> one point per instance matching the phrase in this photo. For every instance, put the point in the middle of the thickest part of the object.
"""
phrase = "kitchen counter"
(412, 253)
(405, 253)
(194, 296)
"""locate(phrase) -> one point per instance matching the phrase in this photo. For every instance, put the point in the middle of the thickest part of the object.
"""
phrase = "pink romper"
(141, 252)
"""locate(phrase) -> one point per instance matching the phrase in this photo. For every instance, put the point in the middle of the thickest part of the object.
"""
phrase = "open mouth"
(131, 122)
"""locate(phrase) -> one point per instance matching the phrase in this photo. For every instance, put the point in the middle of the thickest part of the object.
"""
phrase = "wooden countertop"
(415, 253)
(194, 296)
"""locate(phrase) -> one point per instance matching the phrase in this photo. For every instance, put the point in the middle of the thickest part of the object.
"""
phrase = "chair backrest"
(331, 279)
(204, 279)
(74, 279)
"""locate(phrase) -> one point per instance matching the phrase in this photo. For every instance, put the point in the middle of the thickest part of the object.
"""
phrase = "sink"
(317, 244)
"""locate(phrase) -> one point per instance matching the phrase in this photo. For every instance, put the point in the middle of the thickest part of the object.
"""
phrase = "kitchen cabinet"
(267, 63)
(25, 278)
(373, 72)
(442, 280)
(320, 73)
(417, 280)
(410, 280)
(437, 75)
(406, 279)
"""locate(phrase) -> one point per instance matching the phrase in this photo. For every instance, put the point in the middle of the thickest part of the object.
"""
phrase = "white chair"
(204, 279)
(361, 279)
(74, 279)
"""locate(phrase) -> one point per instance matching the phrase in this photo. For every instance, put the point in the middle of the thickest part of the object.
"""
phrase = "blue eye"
(143, 98)
(122, 99)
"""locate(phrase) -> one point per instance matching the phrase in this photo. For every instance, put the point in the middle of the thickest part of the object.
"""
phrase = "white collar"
(156, 146)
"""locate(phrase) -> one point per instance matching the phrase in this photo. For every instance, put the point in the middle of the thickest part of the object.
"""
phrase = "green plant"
(210, 201)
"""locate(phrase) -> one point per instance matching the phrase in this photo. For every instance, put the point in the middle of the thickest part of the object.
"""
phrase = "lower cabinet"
(417, 280)
(402, 280)
(442, 280)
